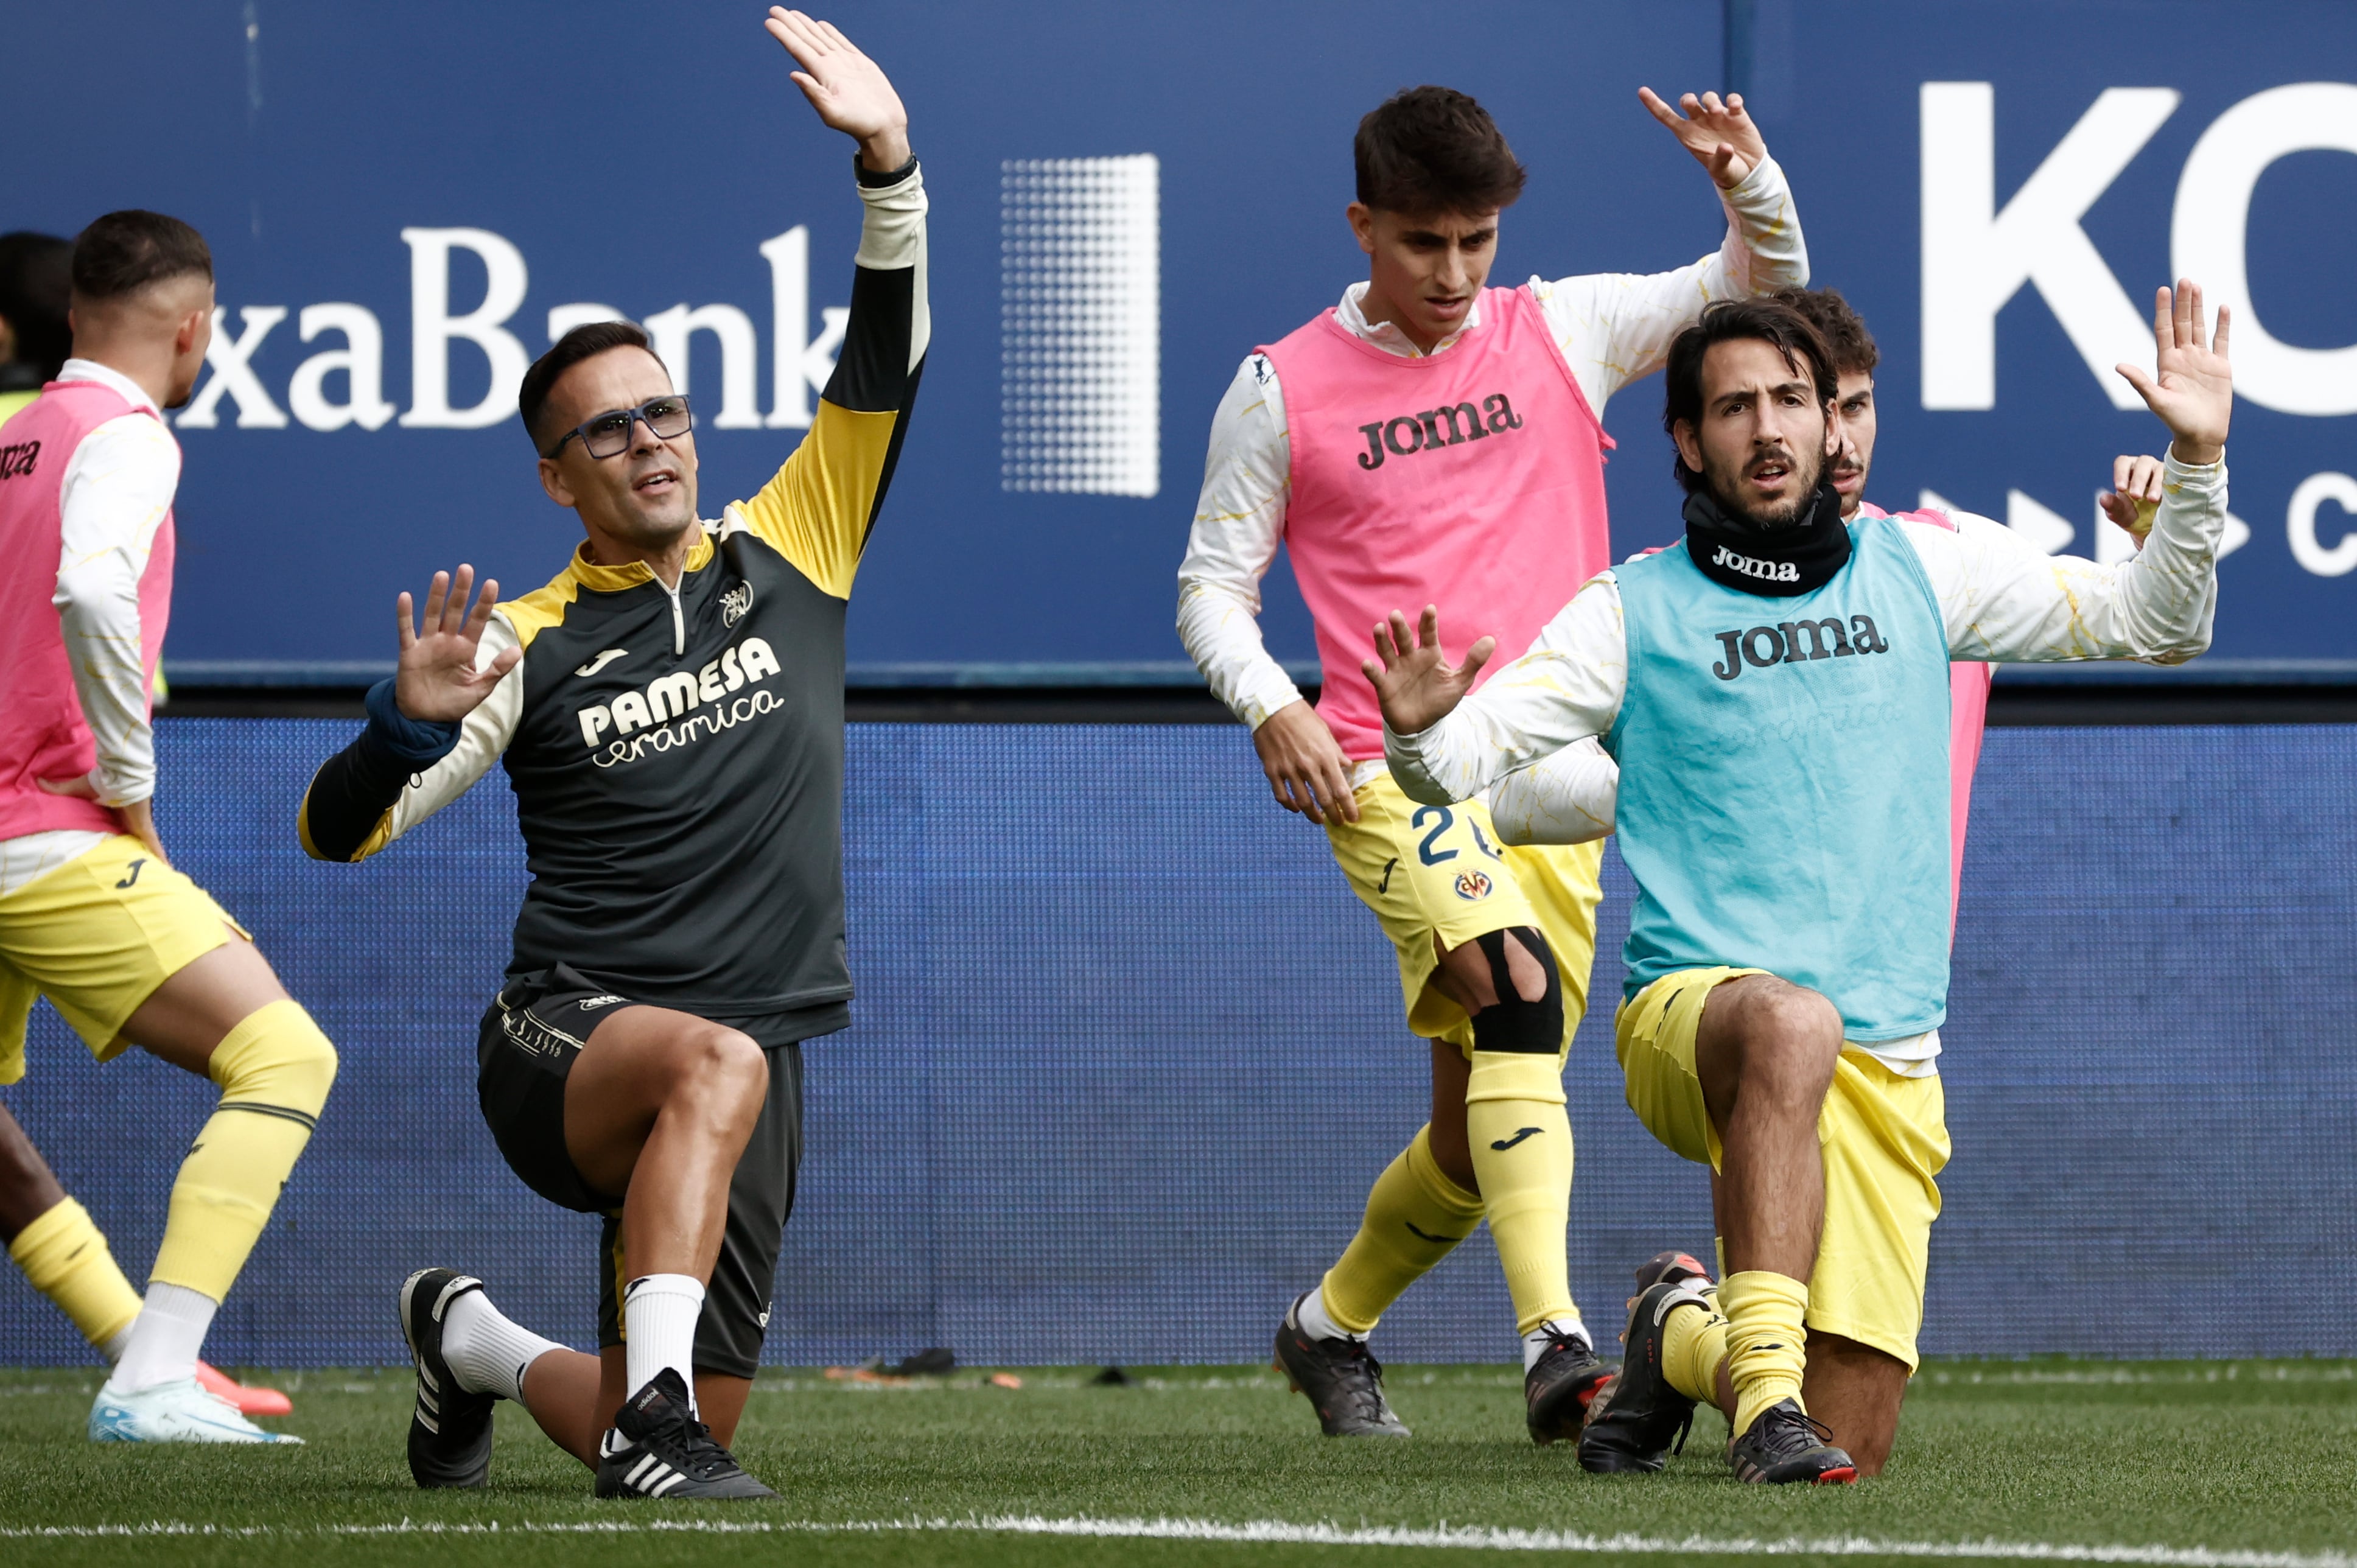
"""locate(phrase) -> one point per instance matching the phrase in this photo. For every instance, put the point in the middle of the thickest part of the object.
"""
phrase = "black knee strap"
(1512, 1024)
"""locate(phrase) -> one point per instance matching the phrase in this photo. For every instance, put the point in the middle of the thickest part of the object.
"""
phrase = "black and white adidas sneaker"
(656, 1448)
(449, 1429)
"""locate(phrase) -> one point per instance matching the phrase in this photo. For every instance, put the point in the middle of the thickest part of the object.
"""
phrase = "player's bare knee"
(723, 1069)
(1795, 1062)
(1528, 972)
(1782, 1039)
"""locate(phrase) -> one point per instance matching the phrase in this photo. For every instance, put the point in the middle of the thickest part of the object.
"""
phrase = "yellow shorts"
(1885, 1139)
(1439, 871)
(96, 936)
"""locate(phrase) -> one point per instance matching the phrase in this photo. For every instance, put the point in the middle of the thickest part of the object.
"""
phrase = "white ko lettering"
(1976, 256)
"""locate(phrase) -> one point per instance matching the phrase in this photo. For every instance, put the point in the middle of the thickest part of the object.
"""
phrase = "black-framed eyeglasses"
(608, 434)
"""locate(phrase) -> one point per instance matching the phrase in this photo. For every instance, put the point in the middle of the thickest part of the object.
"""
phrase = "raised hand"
(1720, 135)
(2134, 495)
(437, 678)
(2191, 387)
(1416, 686)
(849, 91)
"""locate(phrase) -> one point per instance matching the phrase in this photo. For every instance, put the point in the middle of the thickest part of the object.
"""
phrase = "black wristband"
(874, 181)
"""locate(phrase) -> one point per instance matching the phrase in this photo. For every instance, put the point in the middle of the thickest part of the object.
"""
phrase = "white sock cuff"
(659, 1317)
(166, 1337)
(1534, 1343)
(488, 1351)
(1312, 1318)
(684, 1286)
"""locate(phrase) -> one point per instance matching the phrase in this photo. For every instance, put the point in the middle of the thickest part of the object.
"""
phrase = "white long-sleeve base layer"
(1528, 736)
(1612, 328)
(111, 497)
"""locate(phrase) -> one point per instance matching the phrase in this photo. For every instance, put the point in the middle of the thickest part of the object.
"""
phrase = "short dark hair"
(125, 252)
(1769, 321)
(1839, 324)
(584, 342)
(36, 289)
(1430, 149)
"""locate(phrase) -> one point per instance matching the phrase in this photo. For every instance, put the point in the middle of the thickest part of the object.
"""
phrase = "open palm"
(1415, 685)
(2192, 385)
(1722, 137)
(850, 92)
(436, 679)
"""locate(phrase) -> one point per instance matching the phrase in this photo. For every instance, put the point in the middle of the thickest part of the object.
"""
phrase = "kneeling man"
(1773, 690)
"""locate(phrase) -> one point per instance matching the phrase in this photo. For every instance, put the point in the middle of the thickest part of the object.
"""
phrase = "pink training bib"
(42, 733)
(1968, 689)
(1472, 479)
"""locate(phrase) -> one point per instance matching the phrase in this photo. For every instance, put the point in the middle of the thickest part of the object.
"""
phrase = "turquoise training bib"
(1784, 781)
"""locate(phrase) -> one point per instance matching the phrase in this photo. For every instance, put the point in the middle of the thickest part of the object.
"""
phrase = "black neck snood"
(1781, 565)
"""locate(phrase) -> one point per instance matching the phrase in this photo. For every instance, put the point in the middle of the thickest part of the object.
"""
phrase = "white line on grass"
(1282, 1533)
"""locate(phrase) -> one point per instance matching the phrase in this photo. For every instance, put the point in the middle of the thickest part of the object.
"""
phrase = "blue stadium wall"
(1127, 1054)
(359, 170)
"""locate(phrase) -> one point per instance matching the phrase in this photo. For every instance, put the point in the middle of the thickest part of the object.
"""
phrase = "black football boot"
(656, 1448)
(1342, 1377)
(1558, 1387)
(449, 1429)
(1637, 1417)
(1786, 1444)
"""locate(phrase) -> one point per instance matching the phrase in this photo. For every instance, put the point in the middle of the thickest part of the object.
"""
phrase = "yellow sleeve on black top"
(818, 510)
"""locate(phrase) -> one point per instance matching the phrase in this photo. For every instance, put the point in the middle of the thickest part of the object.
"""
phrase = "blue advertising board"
(406, 202)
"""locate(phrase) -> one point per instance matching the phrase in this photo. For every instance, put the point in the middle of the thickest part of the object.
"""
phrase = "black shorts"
(529, 1039)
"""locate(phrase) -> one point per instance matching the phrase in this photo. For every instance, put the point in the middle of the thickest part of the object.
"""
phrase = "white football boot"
(172, 1413)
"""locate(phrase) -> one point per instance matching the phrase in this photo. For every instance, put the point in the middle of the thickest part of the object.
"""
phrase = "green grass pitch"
(2202, 1465)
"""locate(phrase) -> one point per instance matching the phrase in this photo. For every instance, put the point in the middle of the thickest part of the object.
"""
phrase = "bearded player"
(1772, 689)
(1569, 798)
(93, 915)
(670, 713)
(1431, 432)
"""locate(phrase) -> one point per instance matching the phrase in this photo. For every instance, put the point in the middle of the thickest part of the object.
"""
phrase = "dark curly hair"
(1839, 324)
(1431, 149)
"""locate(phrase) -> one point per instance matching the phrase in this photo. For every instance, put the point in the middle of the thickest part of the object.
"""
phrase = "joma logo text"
(18, 457)
(1448, 426)
(1766, 571)
(1797, 642)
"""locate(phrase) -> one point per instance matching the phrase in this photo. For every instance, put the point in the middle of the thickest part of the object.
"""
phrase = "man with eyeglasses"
(670, 712)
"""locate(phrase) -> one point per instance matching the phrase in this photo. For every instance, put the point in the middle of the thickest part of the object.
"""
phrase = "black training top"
(677, 758)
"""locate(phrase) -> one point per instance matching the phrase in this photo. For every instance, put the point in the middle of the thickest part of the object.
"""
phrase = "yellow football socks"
(1521, 1158)
(65, 1256)
(1694, 1346)
(1767, 1344)
(275, 1069)
(1416, 1216)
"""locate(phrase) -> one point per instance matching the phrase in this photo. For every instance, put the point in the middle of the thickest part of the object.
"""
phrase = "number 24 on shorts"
(1442, 819)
